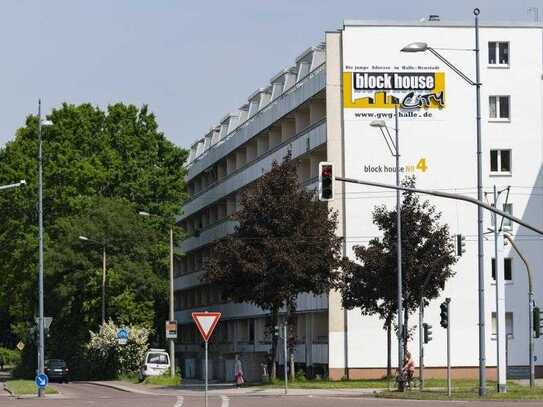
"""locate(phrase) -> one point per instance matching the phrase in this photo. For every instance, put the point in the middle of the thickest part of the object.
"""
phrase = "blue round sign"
(42, 380)
(122, 336)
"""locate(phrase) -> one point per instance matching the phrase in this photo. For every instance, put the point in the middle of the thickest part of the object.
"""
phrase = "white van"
(155, 363)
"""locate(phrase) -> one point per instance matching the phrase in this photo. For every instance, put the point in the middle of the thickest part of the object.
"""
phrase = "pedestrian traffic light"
(326, 181)
(276, 330)
(460, 245)
(444, 314)
(537, 322)
(427, 328)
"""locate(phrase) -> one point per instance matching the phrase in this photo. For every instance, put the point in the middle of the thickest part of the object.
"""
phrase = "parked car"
(56, 369)
(155, 363)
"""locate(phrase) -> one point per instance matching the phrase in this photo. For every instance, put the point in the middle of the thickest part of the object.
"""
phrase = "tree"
(285, 245)
(370, 283)
(99, 161)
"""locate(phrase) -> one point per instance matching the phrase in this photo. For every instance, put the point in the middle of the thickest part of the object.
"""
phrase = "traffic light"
(537, 322)
(460, 245)
(276, 330)
(427, 328)
(326, 181)
(444, 314)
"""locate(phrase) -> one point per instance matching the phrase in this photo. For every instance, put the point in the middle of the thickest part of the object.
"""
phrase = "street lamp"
(172, 311)
(422, 47)
(20, 184)
(41, 344)
(394, 148)
(103, 244)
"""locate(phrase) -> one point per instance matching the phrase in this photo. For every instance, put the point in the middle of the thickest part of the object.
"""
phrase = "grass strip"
(467, 390)
(26, 387)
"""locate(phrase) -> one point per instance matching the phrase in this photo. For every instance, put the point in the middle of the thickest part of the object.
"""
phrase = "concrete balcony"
(208, 235)
(304, 89)
(304, 303)
(310, 138)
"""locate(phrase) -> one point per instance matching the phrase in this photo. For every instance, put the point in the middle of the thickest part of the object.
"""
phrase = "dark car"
(57, 370)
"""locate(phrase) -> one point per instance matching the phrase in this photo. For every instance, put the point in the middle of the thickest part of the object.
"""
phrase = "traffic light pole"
(421, 341)
(530, 309)
(449, 378)
(501, 385)
(447, 195)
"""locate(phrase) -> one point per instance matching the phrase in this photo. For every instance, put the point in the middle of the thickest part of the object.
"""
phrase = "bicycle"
(404, 380)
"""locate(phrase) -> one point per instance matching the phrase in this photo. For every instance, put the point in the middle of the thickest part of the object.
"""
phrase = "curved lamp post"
(394, 148)
(423, 47)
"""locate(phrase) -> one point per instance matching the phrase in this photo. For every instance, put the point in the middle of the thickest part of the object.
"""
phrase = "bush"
(108, 359)
(300, 376)
(164, 380)
(10, 356)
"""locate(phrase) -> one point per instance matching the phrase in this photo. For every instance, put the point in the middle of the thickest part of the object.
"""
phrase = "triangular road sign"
(206, 322)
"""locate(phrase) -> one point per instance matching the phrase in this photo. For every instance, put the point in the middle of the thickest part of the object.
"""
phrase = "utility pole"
(41, 345)
(104, 284)
(500, 302)
(285, 356)
(399, 243)
(172, 311)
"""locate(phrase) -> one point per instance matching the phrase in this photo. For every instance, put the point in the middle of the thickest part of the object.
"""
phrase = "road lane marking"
(225, 401)
(179, 402)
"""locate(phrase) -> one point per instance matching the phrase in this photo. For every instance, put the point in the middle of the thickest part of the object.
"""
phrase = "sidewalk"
(232, 391)
(4, 375)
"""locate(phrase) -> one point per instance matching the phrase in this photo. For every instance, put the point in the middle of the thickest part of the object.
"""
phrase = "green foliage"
(371, 283)
(108, 359)
(165, 379)
(300, 376)
(100, 169)
(26, 387)
(9, 356)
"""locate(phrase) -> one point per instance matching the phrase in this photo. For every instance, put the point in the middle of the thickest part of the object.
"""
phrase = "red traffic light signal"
(326, 181)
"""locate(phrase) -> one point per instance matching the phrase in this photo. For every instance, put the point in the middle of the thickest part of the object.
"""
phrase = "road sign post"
(206, 323)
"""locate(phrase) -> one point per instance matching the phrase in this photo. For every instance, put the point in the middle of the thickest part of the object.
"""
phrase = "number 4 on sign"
(421, 165)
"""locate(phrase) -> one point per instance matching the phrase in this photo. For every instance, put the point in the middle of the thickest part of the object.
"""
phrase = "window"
(508, 324)
(500, 161)
(498, 53)
(507, 269)
(498, 108)
(505, 224)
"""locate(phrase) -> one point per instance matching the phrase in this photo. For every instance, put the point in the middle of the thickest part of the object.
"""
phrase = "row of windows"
(195, 297)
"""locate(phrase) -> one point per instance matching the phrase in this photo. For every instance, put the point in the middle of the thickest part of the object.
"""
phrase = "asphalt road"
(83, 395)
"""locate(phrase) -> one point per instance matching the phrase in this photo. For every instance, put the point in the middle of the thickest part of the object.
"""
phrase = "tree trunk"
(389, 347)
(275, 321)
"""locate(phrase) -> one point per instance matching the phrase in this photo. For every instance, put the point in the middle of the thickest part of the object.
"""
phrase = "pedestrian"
(238, 372)
(1, 362)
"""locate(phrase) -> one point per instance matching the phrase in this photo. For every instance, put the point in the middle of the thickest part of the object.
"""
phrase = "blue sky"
(190, 61)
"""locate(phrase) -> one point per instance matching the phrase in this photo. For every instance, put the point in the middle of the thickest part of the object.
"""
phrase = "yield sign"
(206, 322)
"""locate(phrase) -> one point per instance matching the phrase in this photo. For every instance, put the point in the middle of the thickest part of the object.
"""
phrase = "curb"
(8, 390)
(126, 389)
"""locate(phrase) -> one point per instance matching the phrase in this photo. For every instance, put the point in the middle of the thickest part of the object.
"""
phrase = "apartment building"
(319, 109)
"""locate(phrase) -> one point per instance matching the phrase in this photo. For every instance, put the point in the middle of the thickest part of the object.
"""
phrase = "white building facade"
(319, 109)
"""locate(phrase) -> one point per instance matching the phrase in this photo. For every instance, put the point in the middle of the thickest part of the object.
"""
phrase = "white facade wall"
(448, 142)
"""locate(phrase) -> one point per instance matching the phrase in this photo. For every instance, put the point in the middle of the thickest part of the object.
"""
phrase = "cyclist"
(408, 367)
